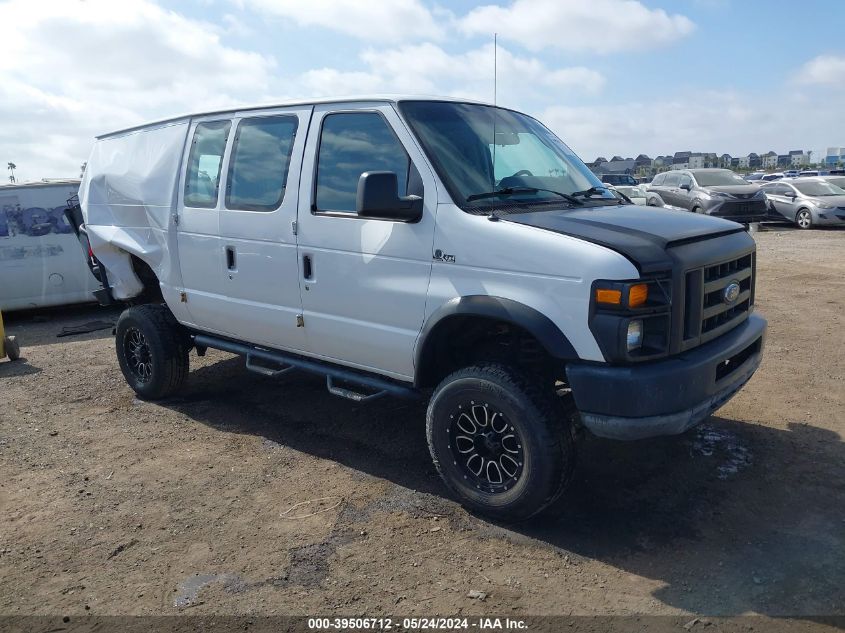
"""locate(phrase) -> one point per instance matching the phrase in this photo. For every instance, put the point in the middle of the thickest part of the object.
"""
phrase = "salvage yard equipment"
(9, 347)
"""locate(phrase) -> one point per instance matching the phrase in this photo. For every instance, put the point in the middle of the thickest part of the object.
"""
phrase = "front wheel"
(804, 219)
(500, 443)
(152, 350)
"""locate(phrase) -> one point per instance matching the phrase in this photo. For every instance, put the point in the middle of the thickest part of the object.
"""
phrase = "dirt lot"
(120, 506)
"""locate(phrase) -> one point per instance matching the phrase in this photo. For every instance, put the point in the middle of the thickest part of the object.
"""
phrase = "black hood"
(642, 234)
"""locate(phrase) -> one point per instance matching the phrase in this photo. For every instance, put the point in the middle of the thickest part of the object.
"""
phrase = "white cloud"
(823, 70)
(597, 26)
(706, 122)
(74, 69)
(385, 20)
(428, 69)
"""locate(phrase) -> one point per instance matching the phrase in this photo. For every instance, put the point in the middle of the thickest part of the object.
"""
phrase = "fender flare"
(532, 321)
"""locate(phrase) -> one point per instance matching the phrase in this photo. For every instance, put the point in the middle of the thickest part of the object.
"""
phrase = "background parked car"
(838, 180)
(640, 195)
(809, 172)
(808, 202)
(790, 173)
(619, 179)
(770, 177)
(756, 177)
(718, 192)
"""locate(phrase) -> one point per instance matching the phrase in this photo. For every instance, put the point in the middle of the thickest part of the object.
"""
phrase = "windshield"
(819, 189)
(717, 178)
(527, 163)
(839, 182)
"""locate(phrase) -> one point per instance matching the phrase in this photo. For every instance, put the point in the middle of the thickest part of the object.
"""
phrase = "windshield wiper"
(509, 191)
(592, 191)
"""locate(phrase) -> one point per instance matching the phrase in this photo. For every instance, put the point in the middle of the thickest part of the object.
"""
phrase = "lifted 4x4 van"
(423, 247)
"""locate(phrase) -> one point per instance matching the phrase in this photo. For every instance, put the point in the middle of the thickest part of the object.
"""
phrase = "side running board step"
(285, 363)
(352, 395)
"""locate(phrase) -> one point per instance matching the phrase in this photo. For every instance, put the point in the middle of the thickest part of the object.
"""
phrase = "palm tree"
(11, 167)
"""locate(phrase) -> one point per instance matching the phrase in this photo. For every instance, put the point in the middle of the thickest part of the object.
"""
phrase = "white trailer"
(41, 261)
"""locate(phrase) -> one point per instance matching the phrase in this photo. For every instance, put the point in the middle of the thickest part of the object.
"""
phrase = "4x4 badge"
(440, 256)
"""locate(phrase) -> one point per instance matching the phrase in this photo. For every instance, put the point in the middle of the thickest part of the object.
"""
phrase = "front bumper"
(669, 396)
(739, 210)
(829, 217)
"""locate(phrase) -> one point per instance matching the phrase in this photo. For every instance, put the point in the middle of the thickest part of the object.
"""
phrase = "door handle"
(230, 258)
(307, 269)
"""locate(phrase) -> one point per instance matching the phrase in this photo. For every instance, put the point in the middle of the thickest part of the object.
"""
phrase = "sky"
(608, 76)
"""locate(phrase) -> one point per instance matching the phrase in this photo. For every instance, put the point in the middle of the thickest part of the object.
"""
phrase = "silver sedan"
(808, 202)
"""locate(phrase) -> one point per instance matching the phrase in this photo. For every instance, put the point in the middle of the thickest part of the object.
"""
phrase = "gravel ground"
(253, 495)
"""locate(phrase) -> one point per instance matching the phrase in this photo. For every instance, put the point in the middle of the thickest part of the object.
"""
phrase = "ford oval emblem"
(731, 292)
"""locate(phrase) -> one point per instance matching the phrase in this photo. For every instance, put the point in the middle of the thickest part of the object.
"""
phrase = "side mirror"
(685, 187)
(378, 197)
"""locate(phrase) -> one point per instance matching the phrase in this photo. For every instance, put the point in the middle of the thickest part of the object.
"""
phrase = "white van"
(41, 263)
(423, 247)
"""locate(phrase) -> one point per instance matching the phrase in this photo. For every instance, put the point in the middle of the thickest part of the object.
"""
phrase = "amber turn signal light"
(637, 295)
(608, 296)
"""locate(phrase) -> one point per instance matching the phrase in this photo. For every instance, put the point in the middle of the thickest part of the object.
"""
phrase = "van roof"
(388, 98)
(45, 182)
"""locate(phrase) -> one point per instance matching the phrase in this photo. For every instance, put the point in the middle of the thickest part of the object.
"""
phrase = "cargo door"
(260, 277)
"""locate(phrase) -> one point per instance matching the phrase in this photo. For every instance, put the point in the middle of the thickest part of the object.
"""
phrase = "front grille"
(707, 312)
(734, 208)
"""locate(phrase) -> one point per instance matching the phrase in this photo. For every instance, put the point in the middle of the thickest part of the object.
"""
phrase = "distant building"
(770, 160)
(681, 160)
(725, 160)
(615, 166)
(755, 161)
(834, 156)
(744, 161)
(642, 162)
(784, 160)
(696, 160)
(798, 158)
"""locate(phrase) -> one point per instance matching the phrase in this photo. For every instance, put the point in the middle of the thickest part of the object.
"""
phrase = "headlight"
(718, 194)
(825, 205)
(760, 194)
(631, 319)
(635, 335)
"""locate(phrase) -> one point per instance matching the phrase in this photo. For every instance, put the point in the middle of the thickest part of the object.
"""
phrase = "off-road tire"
(13, 350)
(539, 421)
(167, 347)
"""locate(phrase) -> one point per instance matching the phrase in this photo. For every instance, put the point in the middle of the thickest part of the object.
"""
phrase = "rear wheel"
(152, 349)
(697, 209)
(500, 443)
(804, 219)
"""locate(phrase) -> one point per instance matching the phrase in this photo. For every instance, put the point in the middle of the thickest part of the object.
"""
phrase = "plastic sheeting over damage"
(127, 197)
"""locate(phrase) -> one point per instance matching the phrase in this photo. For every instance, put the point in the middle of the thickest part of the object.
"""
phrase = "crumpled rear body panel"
(128, 196)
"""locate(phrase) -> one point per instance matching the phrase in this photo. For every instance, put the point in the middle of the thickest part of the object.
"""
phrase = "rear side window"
(258, 169)
(686, 180)
(351, 144)
(203, 178)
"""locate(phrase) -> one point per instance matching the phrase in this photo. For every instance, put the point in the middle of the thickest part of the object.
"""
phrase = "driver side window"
(686, 181)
